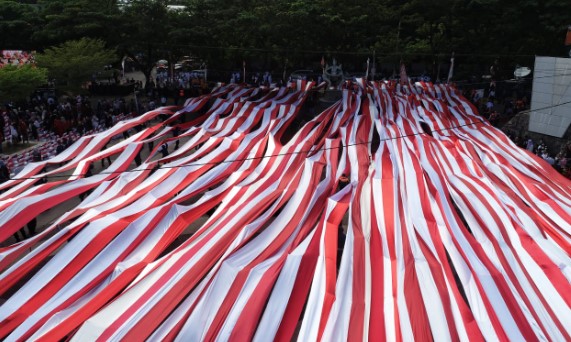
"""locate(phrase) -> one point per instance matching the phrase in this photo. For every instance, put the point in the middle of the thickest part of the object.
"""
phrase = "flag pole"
(374, 69)
(285, 69)
(451, 71)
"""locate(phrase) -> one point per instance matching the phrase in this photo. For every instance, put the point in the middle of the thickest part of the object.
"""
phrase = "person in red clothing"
(23, 130)
(343, 181)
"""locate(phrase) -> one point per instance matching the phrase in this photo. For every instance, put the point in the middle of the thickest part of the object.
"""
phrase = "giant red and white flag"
(390, 215)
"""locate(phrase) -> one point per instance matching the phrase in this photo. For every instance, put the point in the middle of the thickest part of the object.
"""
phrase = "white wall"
(551, 86)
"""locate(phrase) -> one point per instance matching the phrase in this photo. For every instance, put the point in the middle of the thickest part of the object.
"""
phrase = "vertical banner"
(451, 71)
(403, 76)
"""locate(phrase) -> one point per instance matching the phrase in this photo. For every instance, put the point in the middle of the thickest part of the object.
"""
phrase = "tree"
(17, 25)
(145, 34)
(18, 82)
(74, 62)
(267, 33)
(64, 20)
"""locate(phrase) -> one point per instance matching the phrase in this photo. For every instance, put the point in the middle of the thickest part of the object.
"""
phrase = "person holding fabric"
(108, 158)
(342, 182)
(165, 149)
(176, 133)
(4, 172)
(341, 237)
(14, 137)
(32, 227)
(37, 157)
(21, 232)
(89, 173)
(138, 158)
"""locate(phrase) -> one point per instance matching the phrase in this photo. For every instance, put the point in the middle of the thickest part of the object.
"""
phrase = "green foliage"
(74, 62)
(64, 20)
(267, 33)
(146, 31)
(17, 25)
(18, 82)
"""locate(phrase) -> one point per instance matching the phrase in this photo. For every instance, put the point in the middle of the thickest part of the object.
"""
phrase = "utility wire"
(336, 52)
(281, 154)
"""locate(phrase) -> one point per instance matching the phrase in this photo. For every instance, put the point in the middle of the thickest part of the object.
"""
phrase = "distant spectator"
(34, 126)
(36, 156)
(4, 172)
(529, 145)
(108, 158)
(489, 105)
(165, 149)
(176, 133)
(519, 104)
(550, 160)
(14, 136)
(60, 147)
(493, 117)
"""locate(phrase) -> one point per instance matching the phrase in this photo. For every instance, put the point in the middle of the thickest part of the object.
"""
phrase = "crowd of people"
(181, 79)
(561, 160)
(499, 110)
(256, 78)
(181, 85)
(53, 125)
(15, 58)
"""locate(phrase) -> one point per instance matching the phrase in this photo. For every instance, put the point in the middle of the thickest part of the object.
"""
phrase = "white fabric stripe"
(270, 321)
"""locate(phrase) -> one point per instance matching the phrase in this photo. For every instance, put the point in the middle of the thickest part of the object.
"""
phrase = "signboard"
(551, 96)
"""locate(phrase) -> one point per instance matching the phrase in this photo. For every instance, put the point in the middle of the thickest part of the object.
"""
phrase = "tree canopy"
(267, 33)
(64, 20)
(75, 61)
(18, 82)
(145, 32)
(18, 22)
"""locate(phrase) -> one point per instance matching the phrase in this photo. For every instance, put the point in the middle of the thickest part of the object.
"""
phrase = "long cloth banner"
(395, 214)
